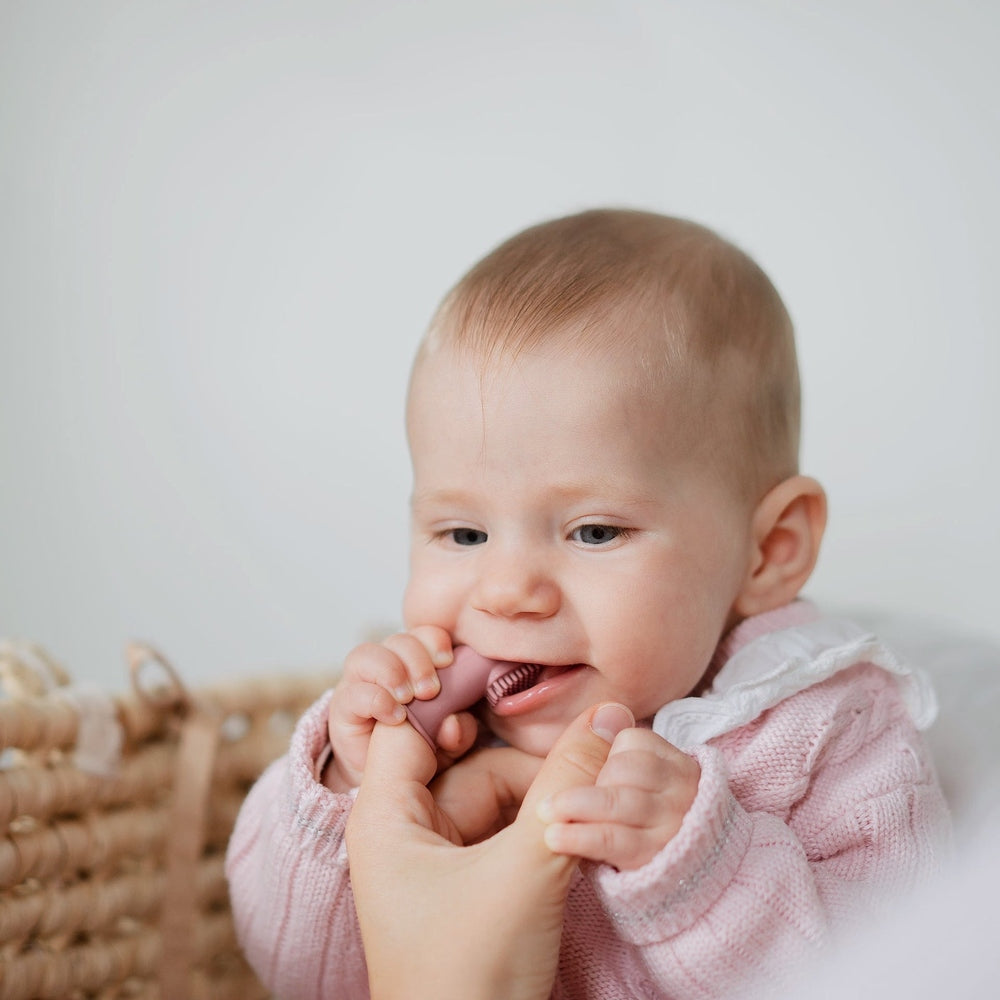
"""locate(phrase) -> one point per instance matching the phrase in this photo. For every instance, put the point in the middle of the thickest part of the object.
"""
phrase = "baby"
(603, 421)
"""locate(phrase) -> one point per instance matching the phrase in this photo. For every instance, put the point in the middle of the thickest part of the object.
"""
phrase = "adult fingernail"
(609, 720)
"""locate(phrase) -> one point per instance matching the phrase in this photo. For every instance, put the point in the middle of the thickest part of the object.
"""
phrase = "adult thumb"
(576, 759)
(398, 753)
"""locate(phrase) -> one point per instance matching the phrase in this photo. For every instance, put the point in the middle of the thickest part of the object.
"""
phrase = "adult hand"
(624, 820)
(443, 921)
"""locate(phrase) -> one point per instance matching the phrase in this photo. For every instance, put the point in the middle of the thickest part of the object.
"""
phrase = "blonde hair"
(687, 305)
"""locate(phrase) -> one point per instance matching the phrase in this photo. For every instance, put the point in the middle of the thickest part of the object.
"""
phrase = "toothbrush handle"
(462, 685)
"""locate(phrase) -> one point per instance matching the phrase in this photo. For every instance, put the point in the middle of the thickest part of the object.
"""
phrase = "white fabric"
(777, 665)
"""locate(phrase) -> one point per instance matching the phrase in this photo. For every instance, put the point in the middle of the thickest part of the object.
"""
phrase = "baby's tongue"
(510, 678)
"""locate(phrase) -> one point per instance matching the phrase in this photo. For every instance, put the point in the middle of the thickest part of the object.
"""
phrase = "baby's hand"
(642, 794)
(378, 680)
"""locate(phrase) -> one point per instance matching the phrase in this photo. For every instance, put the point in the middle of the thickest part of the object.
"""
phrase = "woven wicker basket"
(116, 812)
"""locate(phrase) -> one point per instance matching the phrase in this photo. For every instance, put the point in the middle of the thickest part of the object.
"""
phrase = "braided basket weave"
(111, 861)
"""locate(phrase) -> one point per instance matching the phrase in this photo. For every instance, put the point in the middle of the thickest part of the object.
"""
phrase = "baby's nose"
(513, 584)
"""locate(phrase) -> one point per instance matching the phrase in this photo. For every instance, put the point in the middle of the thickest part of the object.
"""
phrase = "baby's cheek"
(415, 600)
(427, 601)
(410, 606)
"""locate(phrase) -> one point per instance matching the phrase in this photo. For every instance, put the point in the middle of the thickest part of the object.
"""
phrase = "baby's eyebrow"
(606, 493)
(443, 497)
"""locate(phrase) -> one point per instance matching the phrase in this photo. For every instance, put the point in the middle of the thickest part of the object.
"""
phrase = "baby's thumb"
(577, 757)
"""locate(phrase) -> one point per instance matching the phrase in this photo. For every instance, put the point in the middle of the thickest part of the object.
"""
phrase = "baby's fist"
(378, 680)
(636, 808)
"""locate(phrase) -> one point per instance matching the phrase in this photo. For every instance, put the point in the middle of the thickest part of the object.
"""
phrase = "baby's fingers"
(420, 661)
(622, 847)
(622, 827)
(618, 804)
(455, 738)
(376, 663)
(356, 707)
(640, 757)
(436, 641)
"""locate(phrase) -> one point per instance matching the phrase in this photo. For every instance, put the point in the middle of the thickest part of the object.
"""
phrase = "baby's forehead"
(533, 414)
(600, 384)
(624, 335)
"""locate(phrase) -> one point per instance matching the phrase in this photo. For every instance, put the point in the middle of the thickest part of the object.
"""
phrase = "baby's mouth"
(508, 679)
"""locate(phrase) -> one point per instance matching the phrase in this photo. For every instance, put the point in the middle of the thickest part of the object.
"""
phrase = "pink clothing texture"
(817, 800)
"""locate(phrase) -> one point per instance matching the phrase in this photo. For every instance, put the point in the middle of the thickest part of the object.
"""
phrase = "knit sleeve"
(288, 878)
(826, 806)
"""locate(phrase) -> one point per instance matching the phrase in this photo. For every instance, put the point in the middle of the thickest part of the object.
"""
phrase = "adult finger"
(575, 760)
(397, 755)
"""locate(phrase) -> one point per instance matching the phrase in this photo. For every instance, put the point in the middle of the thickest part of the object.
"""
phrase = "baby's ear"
(787, 529)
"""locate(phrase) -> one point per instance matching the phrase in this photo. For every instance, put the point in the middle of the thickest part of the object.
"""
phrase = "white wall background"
(223, 226)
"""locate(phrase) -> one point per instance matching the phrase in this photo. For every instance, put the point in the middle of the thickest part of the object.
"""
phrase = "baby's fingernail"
(428, 687)
(610, 720)
(442, 658)
(398, 713)
(403, 693)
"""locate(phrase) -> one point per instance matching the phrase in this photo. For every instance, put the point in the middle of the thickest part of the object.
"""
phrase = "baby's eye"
(467, 536)
(597, 534)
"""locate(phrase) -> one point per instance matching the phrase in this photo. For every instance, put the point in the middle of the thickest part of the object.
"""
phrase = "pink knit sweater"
(817, 797)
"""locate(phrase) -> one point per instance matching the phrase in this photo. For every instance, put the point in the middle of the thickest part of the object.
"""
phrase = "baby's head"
(694, 316)
(604, 423)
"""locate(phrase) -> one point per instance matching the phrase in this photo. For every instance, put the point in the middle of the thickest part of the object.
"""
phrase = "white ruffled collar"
(770, 657)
